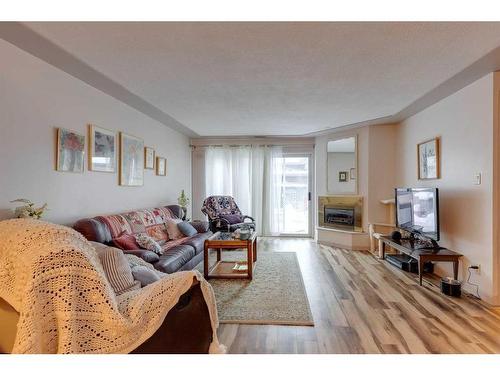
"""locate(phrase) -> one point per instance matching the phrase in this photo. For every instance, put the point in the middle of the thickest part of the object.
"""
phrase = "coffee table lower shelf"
(223, 269)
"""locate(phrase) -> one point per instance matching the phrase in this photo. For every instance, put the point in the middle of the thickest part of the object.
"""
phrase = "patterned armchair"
(224, 214)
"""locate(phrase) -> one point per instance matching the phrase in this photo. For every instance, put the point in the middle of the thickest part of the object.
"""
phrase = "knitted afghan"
(52, 276)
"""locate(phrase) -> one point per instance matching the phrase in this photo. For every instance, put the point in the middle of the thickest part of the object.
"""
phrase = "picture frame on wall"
(161, 166)
(131, 165)
(149, 158)
(102, 149)
(343, 176)
(428, 157)
(70, 153)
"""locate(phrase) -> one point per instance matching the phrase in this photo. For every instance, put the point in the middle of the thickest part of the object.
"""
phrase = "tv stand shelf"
(422, 255)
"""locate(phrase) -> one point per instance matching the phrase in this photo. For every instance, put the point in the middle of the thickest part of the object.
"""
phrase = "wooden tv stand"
(421, 255)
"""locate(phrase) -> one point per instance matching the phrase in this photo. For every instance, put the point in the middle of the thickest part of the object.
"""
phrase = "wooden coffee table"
(223, 269)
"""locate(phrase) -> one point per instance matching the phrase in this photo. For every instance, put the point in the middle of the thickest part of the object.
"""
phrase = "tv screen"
(417, 211)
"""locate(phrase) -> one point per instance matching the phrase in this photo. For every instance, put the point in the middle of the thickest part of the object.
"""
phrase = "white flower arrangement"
(29, 210)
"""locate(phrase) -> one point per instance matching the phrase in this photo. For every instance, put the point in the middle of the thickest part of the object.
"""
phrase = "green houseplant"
(183, 201)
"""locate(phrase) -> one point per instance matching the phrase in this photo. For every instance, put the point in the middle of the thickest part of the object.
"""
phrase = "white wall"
(341, 162)
(464, 121)
(375, 145)
(35, 97)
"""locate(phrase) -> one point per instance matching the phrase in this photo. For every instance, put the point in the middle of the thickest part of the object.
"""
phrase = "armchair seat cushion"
(232, 218)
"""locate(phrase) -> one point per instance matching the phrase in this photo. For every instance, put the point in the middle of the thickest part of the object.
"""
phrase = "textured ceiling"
(221, 79)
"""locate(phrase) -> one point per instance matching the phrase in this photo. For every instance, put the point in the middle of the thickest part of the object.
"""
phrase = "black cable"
(468, 282)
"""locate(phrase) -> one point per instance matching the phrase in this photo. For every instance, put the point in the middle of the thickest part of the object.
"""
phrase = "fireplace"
(341, 212)
(343, 217)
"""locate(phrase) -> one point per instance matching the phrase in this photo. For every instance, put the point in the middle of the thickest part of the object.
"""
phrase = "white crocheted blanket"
(52, 276)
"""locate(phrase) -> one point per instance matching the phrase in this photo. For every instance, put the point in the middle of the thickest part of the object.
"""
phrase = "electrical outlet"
(477, 178)
(475, 268)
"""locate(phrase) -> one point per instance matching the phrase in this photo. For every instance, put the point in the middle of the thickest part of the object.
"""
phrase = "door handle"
(309, 196)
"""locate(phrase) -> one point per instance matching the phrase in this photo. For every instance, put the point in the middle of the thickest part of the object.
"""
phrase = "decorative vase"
(184, 212)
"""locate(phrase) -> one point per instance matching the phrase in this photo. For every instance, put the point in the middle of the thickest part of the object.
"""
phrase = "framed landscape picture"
(102, 149)
(428, 159)
(131, 160)
(70, 151)
(161, 166)
(149, 158)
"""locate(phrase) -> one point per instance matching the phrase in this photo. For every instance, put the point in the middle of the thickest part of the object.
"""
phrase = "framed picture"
(161, 166)
(428, 159)
(70, 151)
(131, 160)
(352, 173)
(102, 149)
(149, 158)
(343, 176)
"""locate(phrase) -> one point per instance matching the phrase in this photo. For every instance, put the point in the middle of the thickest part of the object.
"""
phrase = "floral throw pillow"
(148, 243)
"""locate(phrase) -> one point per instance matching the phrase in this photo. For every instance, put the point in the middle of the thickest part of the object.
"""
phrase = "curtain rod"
(257, 145)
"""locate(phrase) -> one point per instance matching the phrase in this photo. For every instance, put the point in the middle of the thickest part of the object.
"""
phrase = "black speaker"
(396, 236)
(451, 287)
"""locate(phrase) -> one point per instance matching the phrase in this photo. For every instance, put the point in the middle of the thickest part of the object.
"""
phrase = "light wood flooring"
(364, 305)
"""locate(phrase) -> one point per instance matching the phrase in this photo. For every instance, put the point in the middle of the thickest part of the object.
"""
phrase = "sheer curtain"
(253, 175)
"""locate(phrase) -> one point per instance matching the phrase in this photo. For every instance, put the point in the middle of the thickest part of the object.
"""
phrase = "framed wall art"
(70, 151)
(343, 176)
(131, 160)
(102, 149)
(161, 166)
(149, 158)
(428, 160)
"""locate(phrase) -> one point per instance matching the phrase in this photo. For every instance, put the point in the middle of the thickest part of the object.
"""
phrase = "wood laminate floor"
(364, 305)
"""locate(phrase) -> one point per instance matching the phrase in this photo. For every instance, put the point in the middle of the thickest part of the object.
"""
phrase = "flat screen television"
(417, 211)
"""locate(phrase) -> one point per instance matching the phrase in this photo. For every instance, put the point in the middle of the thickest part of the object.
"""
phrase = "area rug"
(276, 295)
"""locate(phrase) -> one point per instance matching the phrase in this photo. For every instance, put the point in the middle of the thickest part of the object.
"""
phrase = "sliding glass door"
(295, 204)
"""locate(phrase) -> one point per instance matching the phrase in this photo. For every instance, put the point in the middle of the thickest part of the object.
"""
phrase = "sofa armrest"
(146, 255)
(201, 226)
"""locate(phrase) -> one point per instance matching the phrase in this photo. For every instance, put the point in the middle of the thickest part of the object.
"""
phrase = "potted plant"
(183, 201)
(29, 210)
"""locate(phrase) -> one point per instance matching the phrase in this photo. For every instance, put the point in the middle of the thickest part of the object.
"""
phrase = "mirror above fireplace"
(342, 164)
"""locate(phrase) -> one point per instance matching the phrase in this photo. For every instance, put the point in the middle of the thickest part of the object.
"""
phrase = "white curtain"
(253, 176)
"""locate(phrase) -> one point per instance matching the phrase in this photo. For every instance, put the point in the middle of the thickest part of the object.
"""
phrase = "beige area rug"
(276, 295)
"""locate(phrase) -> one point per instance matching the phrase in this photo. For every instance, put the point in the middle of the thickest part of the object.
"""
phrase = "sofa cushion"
(148, 243)
(175, 258)
(173, 231)
(201, 226)
(158, 232)
(117, 269)
(198, 241)
(173, 243)
(187, 229)
(144, 275)
(145, 255)
(126, 241)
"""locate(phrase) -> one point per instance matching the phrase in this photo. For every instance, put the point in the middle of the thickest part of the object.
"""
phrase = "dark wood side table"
(223, 269)
(422, 255)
